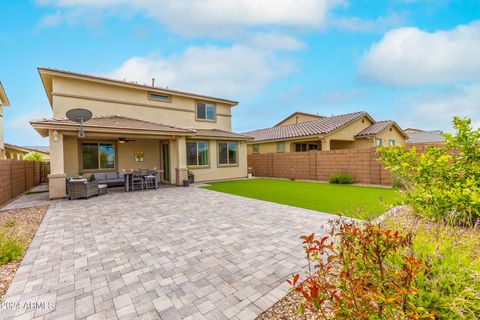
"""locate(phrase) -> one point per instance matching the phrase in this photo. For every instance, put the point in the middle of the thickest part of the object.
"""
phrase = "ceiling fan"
(124, 140)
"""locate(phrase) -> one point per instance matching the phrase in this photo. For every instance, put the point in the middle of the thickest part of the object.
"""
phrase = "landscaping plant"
(444, 180)
(34, 156)
(11, 245)
(341, 178)
(452, 285)
(360, 272)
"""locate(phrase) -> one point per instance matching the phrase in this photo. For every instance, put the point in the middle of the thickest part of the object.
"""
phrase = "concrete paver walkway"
(171, 253)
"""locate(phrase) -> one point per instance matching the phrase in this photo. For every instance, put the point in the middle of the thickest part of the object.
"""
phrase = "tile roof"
(124, 123)
(113, 122)
(214, 133)
(375, 128)
(308, 128)
(299, 113)
(132, 83)
(425, 137)
(44, 149)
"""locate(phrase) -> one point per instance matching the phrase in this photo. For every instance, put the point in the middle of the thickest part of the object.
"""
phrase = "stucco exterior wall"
(106, 100)
(393, 134)
(349, 132)
(218, 172)
(297, 118)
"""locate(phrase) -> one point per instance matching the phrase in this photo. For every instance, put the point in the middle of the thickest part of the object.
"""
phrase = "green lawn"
(348, 200)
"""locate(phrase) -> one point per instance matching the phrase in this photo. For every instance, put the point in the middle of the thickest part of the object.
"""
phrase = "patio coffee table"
(102, 189)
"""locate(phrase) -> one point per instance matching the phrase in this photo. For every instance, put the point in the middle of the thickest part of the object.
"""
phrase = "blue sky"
(417, 62)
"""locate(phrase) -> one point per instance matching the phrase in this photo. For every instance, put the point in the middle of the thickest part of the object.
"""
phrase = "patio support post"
(325, 144)
(56, 178)
(181, 171)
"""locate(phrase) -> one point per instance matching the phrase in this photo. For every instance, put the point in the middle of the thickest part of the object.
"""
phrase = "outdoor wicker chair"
(137, 181)
(150, 180)
(81, 189)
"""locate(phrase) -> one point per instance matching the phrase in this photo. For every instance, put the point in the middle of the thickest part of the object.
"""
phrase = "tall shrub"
(444, 180)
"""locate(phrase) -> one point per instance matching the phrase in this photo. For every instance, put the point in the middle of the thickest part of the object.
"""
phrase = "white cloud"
(230, 71)
(19, 131)
(380, 24)
(214, 16)
(436, 109)
(275, 41)
(410, 57)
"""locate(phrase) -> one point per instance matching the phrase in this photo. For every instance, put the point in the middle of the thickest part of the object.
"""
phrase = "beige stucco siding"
(214, 171)
(349, 132)
(107, 100)
(394, 134)
(297, 118)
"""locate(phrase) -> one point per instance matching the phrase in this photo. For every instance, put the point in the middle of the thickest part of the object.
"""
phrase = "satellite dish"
(80, 116)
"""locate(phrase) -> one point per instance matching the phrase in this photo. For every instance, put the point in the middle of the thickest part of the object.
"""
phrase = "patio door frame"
(165, 161)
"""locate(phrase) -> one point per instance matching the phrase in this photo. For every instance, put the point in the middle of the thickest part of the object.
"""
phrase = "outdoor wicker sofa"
(77, 189)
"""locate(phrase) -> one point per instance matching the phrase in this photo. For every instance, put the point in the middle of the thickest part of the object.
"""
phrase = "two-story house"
(137, 126)
(3, 103)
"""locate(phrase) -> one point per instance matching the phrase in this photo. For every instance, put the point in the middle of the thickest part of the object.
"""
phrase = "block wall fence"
(362, 164)
(16, 177)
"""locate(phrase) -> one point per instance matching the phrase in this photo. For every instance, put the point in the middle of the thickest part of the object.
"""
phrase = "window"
(197, 153)
(280, 146)
(378, 142)
(391, 142)
(160, 97)
(98, 156)
(303, 147)
(205, 111)
(227, 153)
(256, 148)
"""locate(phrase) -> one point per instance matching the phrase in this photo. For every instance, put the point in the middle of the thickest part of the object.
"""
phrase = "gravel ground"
(27, 221)
(286, 308)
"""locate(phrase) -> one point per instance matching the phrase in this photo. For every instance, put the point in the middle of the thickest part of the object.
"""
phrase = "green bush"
(451, 287)
(11, 245)
(443, 180)
(341, 178)
(34, 156)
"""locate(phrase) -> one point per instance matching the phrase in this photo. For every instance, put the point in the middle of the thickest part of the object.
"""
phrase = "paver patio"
(171, 253)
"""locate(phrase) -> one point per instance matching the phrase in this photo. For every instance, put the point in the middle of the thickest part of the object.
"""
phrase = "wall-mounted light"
(55, 135)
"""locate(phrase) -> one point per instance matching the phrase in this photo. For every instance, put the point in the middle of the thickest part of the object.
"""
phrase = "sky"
(416, 62)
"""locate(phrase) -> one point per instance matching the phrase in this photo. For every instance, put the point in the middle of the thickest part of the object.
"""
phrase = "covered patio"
(113, 144)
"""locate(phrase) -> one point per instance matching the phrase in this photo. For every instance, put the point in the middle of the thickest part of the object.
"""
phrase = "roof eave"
(53, 72)
(3, 97)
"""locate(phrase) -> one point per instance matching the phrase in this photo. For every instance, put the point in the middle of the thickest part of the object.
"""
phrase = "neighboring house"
(416, 136)
(18, 152)
(301, 132)
(3, 103)
(138, 126)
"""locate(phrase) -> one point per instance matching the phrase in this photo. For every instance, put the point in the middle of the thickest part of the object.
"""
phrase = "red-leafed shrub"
(360, 272)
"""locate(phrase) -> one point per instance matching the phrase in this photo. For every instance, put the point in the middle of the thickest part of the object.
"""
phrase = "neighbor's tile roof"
(214, 133)
(308, 128)
(113, 122)
(44, 149)
(425, 137)
(375, 128)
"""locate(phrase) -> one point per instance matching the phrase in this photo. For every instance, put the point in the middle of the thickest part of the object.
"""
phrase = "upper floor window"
(256, 148)
(160, 97)
(280, 146)
(205, 111)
